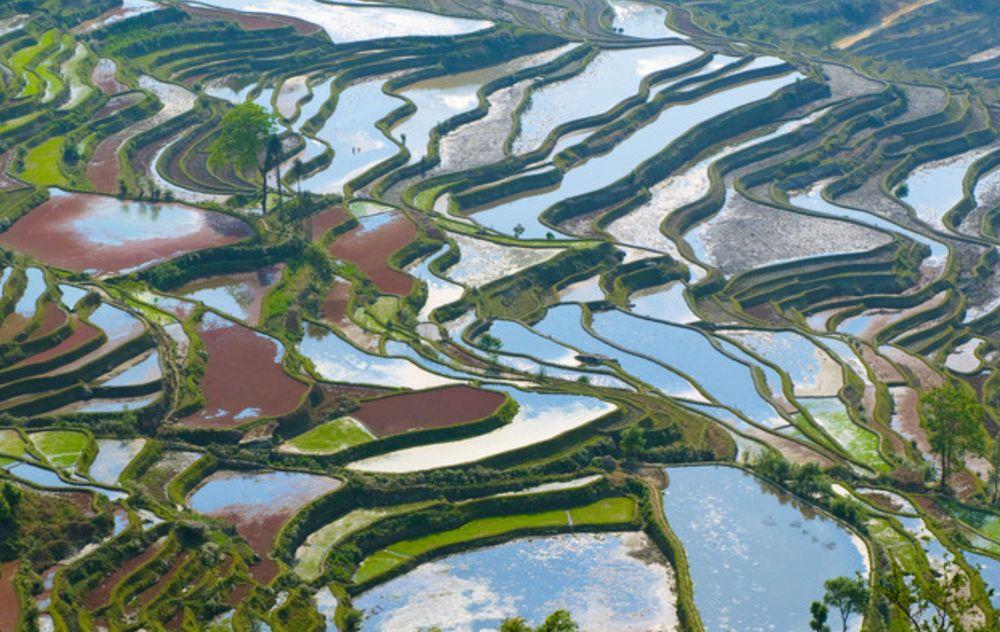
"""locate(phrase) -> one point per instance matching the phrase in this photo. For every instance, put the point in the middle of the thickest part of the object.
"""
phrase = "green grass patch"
(22, 59)
(982, 521)
(902, 549)
(41, 165)
(333, 436)
(14, 123)
(379, 563)
(606, 511)
(309, 558)
(12, 444)
(62, 448)
(830, 414)
(53, 82)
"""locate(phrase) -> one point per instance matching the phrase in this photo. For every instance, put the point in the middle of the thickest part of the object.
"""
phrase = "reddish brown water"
(337, 301)
(436, 408)
(254, 21)
(103, 77)
(83, 232)
(10, 606)
(322, 222)
(83, 334)
(244, 379)
(370, 245)
(52, 318)
(100, 594)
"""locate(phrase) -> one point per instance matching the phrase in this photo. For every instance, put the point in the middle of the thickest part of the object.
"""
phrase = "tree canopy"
(953, 417)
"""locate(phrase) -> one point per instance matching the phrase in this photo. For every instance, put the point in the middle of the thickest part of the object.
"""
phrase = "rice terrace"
(500, 315)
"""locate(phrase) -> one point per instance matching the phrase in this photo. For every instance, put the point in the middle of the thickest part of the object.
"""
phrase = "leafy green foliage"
(849, 596)
(954, 418)
(244, 132)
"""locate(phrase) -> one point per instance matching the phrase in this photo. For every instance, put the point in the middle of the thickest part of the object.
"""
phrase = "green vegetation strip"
(62, 448)
(41, 164)
(333, 436)
(603, 512)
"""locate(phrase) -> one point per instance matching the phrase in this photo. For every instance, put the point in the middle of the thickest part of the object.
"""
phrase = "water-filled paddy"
(83, 232)
(539, 418)
(24, 308)
(666, 303)
(370, 244)
(601, 171)
(356, 22)
(439, 291)
(562, 324)
(258, 504)
(640, 19)
(989, 570)
(47, 478)
(357, 144)
(238, 295)
(758, 557)
(484, 261)
(337, 361)
(934, 188)
(814, 201)
(113, 456)
(145, 370)
(692, 353)
(612, 76)
(811, 369)
(606, 581)
(518, 339)
(244, 378)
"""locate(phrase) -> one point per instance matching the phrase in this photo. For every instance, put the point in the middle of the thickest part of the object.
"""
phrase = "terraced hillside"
(660, 313)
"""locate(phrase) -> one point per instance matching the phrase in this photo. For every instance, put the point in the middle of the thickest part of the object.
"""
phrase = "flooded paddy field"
(746, 543)
(244, 378)
(370, 245)
(239, 295)
(93, 233)
(417, 314)
(258, 505)
(468, 591)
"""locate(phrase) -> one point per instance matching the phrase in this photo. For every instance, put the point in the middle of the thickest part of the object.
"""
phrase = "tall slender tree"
(242, 142)
(954, 420)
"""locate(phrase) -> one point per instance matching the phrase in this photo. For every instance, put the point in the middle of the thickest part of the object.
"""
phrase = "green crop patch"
(330, 437)
(62, 448)
(42, 164)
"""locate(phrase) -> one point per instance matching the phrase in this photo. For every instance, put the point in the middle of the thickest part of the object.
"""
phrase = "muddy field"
(83, 232)
(244, 379)
(438, 408)
(370, 245)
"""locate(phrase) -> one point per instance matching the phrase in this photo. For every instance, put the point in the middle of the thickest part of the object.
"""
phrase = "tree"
(558, 621)
(849, 596)
(994, 481)
(926, 606)
(298, 169)
(243, 139)
(518, 230)
(491, 345)
(819, 615)
(515, 624)
(273, 159)
(953, 417)
(633, 441)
